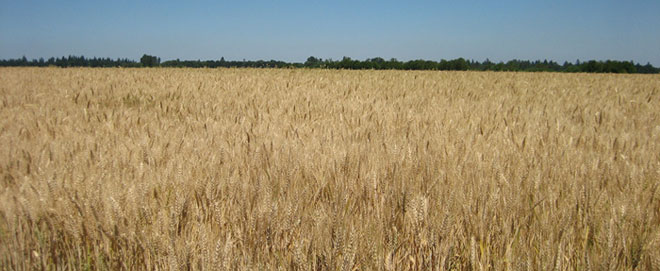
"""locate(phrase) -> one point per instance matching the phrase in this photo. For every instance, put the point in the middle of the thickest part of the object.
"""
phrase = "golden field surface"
(259, 169)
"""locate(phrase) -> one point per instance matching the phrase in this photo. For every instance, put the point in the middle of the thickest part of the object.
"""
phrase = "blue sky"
(293, 30)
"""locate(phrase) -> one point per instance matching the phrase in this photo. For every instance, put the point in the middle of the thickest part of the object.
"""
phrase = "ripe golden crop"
(324, 169)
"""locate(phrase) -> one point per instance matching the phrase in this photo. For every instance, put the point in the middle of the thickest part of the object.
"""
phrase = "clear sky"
(293, 30)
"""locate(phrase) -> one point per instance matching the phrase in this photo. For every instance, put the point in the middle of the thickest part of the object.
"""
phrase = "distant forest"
(460, 64)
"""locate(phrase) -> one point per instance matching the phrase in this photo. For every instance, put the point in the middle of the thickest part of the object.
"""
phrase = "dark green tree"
(149, 61)
(313, 62)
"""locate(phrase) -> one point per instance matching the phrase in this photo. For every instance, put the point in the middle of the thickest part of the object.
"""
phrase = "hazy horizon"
(292, 31)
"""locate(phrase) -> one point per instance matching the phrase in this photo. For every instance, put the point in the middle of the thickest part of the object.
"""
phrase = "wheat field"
(277, 169)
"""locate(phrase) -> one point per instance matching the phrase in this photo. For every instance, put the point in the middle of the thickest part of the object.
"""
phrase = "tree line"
(70, 61)
(460, 64)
